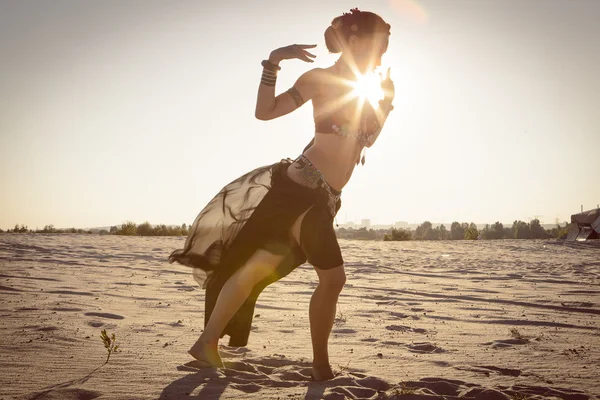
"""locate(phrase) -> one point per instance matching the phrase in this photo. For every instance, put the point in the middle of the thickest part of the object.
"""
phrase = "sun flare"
(368, 87)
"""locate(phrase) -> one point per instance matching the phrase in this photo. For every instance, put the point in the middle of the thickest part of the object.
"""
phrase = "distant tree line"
(459, 231)
(47, 229)
(126, 229)
(465, 231)
(145, 229)
(360, 234)
(425, 231)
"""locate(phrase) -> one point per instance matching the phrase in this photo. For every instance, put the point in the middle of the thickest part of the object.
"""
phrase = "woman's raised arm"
(269, 106)
(385, 106)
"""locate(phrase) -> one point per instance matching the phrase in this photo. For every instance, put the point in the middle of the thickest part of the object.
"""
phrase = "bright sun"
(368, 87)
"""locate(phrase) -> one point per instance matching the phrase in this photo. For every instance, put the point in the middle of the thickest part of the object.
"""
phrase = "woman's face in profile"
(368, 51)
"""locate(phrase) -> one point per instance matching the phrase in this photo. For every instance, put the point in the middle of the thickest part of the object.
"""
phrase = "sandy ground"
(432, 320)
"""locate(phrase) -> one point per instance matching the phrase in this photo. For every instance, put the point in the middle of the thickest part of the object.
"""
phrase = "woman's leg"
(323, 302)
(233, 294)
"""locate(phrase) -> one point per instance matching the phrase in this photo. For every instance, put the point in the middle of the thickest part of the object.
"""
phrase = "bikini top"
(334, 123)
(338, 124)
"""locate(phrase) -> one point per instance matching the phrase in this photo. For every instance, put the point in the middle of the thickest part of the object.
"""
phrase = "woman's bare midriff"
(335, 156)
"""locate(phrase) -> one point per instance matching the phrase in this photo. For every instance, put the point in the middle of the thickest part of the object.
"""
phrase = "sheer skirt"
(257, 211)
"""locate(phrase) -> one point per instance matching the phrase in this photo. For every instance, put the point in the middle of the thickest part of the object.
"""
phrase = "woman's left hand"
(293, 51)
(387, 85)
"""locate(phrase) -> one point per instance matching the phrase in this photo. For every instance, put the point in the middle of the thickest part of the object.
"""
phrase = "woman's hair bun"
(332, 40)
(353, 23)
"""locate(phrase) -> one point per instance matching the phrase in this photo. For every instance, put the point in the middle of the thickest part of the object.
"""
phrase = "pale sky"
(120, 110)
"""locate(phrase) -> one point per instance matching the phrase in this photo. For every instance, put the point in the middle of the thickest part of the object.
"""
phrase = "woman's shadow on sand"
(252, 376)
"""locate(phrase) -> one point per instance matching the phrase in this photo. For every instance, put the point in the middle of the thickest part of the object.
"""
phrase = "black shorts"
(281, 207)
(318, 240)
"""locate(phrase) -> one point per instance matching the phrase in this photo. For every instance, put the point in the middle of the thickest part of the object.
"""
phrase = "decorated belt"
(312, 178)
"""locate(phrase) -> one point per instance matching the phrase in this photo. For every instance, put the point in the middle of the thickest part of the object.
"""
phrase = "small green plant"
(343, 369)
(109, 343)
(519, 396)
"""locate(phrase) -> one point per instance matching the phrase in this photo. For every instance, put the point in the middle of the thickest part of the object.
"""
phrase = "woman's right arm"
(380, 115)
(269, 106)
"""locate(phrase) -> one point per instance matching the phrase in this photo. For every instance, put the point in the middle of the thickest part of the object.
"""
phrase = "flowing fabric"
(255, 211)
(219, 223)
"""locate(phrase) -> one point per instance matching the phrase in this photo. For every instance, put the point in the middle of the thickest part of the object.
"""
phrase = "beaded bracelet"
(268, 78)
(269, 73)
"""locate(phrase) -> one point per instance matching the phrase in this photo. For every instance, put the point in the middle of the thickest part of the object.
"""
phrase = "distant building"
(366, 223)
(401, 225)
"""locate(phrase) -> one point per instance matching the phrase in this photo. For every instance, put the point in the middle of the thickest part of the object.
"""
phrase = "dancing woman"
(266, 223)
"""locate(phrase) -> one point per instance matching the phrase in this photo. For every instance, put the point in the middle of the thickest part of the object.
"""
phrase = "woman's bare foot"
(207, 353)
(322, 372)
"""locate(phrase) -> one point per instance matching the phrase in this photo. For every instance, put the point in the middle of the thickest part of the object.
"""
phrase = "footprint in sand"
(576, 304)
(441, 363)
(247, 387)
(98, 324)
(404, 328)
(373, 383)
(343, 330)
(499, 344)
(349, 392)
(398, 315)
(436, 386)
(392, 343)
(255, 375)
(501, 371)
(66, 309)
(388, 303)
(418, 347)
(369, 340)
(104, 315)
(70, 292)
(48, 329)
(424, 348)
(71, 394)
